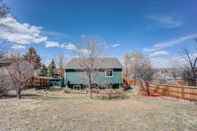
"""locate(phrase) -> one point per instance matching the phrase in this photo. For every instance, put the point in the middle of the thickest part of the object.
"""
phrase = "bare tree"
(139, 68)
(4, 10)
(4, 76)
(3, 83)
(1, 55)
(51, 68)
(60, 60)
(190, 72)
(88, 61)
(20, 72)
(32, 57)
(126, 65)
(175, 73)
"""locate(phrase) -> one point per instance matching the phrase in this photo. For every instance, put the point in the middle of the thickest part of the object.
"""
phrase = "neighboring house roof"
(100, 63)
(5, 62)
(5, 78)
(59, 71)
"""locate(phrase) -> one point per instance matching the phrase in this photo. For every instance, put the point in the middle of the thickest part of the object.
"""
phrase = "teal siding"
(100, 78)
(56, 82)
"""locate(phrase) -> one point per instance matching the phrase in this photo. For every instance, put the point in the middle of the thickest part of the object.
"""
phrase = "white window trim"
(107, 75)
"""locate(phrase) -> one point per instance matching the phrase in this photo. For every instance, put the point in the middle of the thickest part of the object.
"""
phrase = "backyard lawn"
(55, 110)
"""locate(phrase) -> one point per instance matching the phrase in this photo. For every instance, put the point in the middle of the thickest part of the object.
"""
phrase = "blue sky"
(158, 28)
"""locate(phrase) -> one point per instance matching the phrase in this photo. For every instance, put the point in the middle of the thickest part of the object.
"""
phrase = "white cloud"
(168, 61)
(20, 33)
(160, 59)
(52, 44)
(161, 62)
(74, 48)
(18, 47)
(115, 45)
(55, 34)
(171, 43)
(69, 46)
(166, 21)
(175, 41)
(159, 53)
(84, 51)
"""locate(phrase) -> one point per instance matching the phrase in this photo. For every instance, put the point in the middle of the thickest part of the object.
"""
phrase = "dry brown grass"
(57, 111)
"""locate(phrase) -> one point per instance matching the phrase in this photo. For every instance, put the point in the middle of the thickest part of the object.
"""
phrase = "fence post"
(40, 82)
(182, 92)
(147, 88)
(32, 82)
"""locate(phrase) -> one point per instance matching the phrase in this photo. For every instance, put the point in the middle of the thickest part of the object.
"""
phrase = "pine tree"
(51, 68)
(43, 70)
(53, 65)
(32, 57)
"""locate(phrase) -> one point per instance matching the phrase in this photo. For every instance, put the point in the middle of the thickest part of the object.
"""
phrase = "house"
(108, 71)
(5, 62)
(59, 72)
(167, 76)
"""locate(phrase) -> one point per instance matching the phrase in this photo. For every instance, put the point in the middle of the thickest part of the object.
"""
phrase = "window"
(108, 73)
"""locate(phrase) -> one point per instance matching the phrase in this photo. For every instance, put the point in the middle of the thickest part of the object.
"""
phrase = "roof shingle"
(100, 63)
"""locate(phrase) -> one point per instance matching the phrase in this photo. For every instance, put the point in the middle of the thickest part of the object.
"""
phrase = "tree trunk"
(147, 88)
(90, 90)
(90, 85)
(18, 92)
(194, 78)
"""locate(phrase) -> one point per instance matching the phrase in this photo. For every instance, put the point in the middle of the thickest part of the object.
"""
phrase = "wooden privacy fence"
(38, 82)
(130, 82)
(176, 91)
(180, 92)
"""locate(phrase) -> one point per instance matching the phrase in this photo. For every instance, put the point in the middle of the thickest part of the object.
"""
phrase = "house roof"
(100, 63)
(5, 62)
